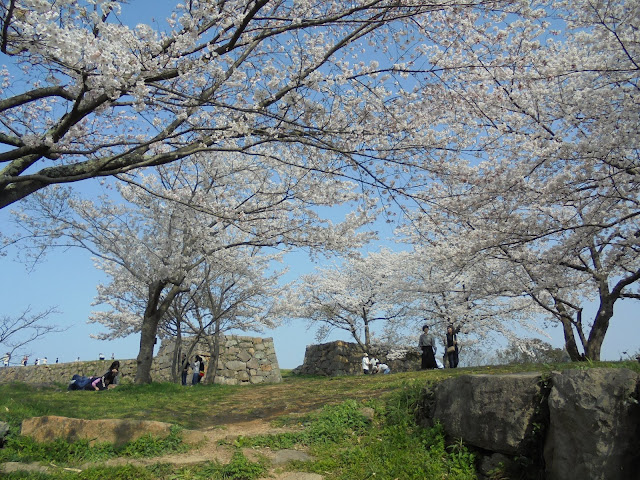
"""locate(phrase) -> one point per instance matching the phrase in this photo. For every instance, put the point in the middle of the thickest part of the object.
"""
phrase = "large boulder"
(594, 430)
(4, 431)
(45, 429)
(492, 412)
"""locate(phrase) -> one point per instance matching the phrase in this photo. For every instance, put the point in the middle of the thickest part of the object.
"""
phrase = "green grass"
(350, 446)
(327, 411)
(24, 449)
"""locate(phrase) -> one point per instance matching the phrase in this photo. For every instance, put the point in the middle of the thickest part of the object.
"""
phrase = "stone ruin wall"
(344, 358)
(243, 361)
(62, 372)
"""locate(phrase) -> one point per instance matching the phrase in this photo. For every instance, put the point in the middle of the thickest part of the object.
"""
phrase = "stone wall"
(344, 358)
(581, 424)
(62, 372)
(243, 360)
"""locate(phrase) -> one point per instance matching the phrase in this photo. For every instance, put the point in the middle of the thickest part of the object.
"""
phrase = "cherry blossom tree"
(539, 200)
(238, 291)
(158, 245)
(90, 96)
(353, 296)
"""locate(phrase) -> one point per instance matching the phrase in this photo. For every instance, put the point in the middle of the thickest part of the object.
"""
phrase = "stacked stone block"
(243, 360)
(247, 360)
(345, 358)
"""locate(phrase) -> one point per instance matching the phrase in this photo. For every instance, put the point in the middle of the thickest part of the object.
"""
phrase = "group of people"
(372, 365)
(6, 359)
(197, 366)
(427, 344)
(108, 380)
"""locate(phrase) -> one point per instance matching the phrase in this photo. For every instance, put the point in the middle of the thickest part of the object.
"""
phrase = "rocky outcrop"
(4, 431)
(594, 427)
(345, 358)
(495, 413)
(118, 432)
(574, 424)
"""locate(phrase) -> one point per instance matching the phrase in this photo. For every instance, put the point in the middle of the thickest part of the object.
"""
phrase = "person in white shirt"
(384, 368)
(365, 364)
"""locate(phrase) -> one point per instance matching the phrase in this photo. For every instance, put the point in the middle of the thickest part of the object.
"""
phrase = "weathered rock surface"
(116, 431)
(594, 430)
(300, 476)
(492, 412)
(288, 455)
(587, 421)
(4, 430)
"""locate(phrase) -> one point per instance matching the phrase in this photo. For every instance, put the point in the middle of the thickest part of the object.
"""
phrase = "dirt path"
(208, 447)
(211, 444)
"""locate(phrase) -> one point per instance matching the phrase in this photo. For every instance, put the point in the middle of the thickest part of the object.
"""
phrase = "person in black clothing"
(185, 368)
(428, 345)
(451, 346)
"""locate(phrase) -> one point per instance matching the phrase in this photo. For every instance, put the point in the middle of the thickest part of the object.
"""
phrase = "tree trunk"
(599, 329)
(570, 340)
(214, 353)
(145, 356)
(176, 363)
(155, 310)
(367, 333)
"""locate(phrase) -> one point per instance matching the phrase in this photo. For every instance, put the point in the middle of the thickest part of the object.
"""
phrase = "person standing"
(184, 363)
(201, 370)
(428, 345)
(6, 358)
(451, 346)
(365, 364)
(25, 359)
(197, 365)
(373, 365)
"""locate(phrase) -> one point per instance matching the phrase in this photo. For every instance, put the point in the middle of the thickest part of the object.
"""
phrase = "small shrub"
(242, 469)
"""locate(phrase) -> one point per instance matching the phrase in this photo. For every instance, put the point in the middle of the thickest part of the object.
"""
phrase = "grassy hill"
(325, 416)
